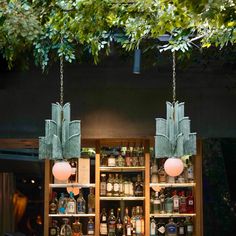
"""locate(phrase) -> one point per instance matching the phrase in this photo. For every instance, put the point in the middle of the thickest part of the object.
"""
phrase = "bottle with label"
(65, 228)
(120, 161)
(111, 161)
(62, 204)
(77, 228)
(162, 199)
(168, 203)
(74, 176)
(135, 158)
(110, 185)
(175, 198)
(161, 228)
(161, 172)
(128, 231)
(119, 224)
(133, 221)
(71, 204)
(90, 227)
(138, 188)
(182, 203)
(190, 171)
(121, 186)
(181, 228)
(53, 204)
(190, 203)
(116, 190)
(103, 185)
(54, 230)
(81, 204)
(104, 160)
(156, 204)
(138, 221)
(189, 226)
(112, 224)
(141, 156)
(154, 172)
(126, 216)
(171, 228)
(126, 187)
(103, 223)
(153, 226)
(91, 201)
(128, 157)
(131, 188)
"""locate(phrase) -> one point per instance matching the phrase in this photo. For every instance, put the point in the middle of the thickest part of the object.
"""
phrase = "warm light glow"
(174, 166)
(61, 170)
(74, 190)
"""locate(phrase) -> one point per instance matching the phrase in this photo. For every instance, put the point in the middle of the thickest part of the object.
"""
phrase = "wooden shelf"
(72, 215)
(173, 185)
(122, 169)
(122, 198)
(168, 215)
(72, 185)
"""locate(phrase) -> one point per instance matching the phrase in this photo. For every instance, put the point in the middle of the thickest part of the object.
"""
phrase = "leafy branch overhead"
(69, 28)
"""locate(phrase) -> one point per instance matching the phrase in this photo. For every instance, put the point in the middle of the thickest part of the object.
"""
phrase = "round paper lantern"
(74, 190)
(61, 170)
(174, 166)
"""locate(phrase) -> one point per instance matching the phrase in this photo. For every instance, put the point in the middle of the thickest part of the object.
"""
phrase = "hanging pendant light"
(173, 138)
(62, 138)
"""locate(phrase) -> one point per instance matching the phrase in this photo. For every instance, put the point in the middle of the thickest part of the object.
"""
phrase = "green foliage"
(69, 27)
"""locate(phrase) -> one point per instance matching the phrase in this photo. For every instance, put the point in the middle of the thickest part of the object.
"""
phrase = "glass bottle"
(171, 228)
(116, 185)
(110, 185)
(190, 171)
(161, 228)
(141, 156)
(190, 203)
(111, 161)
(53, 205)
(135, 158)
(182, 203)
(74, 176)
(65, 228)
(152, 202)
(181, 178)
(121, 186)
(138, 188)
(111, 224)
(153, 227)
(128, 157)
(131, 188)
(128, 231)
(138, 221)
(71, 204)
(90, 227)
(77, 228)
(175, 198)
(156, 204)
(126, 216)
(126, 187)
(62, 204)
(104, 160)
(103, 185)
(91, 201)
(54, 230)
(103, 222)
(120, 161)
(119, 224)
(161, 172)
(162, 199)
(142, 222)
(133, 221)
(154, 172)
(181, 228)
(189, 226)
(168, 203)
(81, 204)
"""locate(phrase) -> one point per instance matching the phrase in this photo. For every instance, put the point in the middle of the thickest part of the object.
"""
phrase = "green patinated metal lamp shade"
(62, 137)
(173, 137)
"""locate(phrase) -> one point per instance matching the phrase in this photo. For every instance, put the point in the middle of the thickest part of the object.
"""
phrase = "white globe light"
(174, 166)
(61, 170)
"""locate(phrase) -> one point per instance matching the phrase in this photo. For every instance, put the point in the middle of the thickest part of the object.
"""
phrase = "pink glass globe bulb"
(174, 166)
(61, 170)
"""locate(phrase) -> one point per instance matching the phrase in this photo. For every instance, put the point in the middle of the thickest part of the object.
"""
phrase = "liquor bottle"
(168, 203)
(138, 221)
(156, 204)
(126, 187)
(128, 231)
(138, 187)
(188, 226)
(141, 156)
(77, 228)
(116, 185)
(142, 222)
(103, 222)
(190, 171)
(135, 158)
(161, 172)
(104, 160)
(81, 204)
(120, 161)
(153, 226)
(119, 224)
(110, 185)
(190, 203)
(133, 221)
(128, 157)
(71, 204)
(111, 224)
(65, 228)
(181, 228)
(53, 205)
(62, 204)
(121, 186)
(162, 199)
(152, 202)
(90, 227)
(91, 201)
(54, 230)
(103, 185)
(154, 172)
(74, 176)
(161, 228)
(171, 228)
(175, 198)
(111, 161)
(131, 188)
(126, 216)
(182, 203)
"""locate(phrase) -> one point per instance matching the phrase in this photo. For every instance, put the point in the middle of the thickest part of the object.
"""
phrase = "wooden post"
(97, 189)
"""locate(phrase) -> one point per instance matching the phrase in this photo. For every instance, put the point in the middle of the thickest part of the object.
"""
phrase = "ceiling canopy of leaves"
(68, 28)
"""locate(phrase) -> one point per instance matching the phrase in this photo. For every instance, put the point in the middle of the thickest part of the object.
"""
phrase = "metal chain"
(174, 77)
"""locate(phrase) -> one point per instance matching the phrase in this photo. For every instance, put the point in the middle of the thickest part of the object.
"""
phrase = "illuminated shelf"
(173, 185)
(121, 169)
(122, 198)
(168, 215)
(71, 215)
(72, 185)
